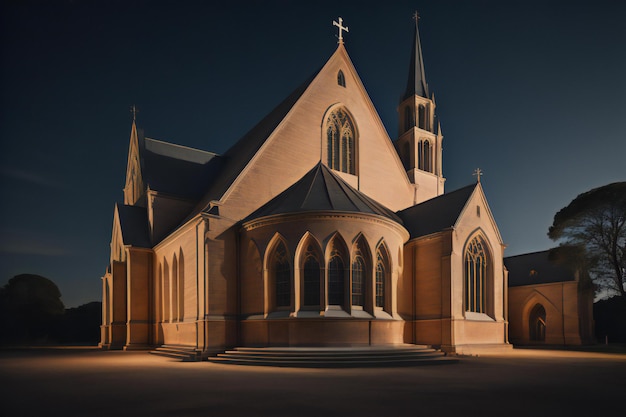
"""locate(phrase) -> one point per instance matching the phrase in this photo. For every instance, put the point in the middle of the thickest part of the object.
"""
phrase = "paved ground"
(85, 382)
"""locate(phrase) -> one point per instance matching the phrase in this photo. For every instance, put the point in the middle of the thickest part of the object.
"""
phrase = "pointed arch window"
(382, 270)
(476, 263)
(409, 118)
(341, 79)
(311, 278)
(358, 280)
(340, 145)
(424, 155)
(336, 279)
(282, 276)
(537, 324)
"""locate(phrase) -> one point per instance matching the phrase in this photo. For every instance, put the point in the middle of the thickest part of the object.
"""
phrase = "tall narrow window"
(409, 119)
(382, 269)
(424, 156)
(358, 279)
(336, 275)
(475, 276)
(311, 279)
(421, 113)
(340, 137)
(282, 276)
(341, 79)
(537, 324)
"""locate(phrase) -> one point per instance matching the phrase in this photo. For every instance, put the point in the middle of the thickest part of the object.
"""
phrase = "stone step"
(184, 353)
(334, 357)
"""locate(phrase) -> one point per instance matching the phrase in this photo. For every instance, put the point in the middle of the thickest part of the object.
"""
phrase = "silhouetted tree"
(596, 222)
(30, 305)
(81, 325)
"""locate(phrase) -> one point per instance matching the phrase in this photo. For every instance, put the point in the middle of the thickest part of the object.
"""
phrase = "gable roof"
(436, 214)
(176, 169)
(321, 190)
(235, 159)
(134, 225)
(536, 268)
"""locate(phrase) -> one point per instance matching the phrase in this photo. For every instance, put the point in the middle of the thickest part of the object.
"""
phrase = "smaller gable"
(436, 214)
(536, 268)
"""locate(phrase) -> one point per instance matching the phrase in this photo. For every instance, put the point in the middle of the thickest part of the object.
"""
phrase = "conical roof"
(321, 190)
(416, 83)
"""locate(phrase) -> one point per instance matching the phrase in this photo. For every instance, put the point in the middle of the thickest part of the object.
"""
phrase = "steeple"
(416, 83)
(419, 142)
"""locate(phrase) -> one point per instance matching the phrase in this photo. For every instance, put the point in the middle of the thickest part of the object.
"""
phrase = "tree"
(595, 221)
(30, 306)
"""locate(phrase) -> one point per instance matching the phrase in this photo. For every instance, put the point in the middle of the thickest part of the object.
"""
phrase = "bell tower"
(419, 132)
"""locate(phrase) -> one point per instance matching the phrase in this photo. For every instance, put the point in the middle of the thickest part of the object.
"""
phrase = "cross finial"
(341, 29)
(478, 173)
(416, 16)
(134, 111)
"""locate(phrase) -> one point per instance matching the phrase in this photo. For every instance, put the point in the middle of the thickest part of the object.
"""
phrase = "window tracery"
(340, 137)
(476, 263)
(282, 276)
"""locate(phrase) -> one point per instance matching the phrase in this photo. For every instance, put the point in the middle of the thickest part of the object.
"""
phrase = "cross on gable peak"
(341, 29)
(478, 173)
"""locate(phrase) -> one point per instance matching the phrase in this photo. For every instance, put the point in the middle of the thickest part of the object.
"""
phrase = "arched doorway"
(537, 324)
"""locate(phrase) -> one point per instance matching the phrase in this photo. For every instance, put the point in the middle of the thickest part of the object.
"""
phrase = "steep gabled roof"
(321, 190)
(536, 268)
(436, 214)
(175, 169)
(232, 163)
(134, 225)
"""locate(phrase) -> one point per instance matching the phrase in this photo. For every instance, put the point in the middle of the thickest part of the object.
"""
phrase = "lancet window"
(382, 270)
(341, 79)
(282, 276)
(424, 155)
(476, 263)
(311, 278)
(336, 275)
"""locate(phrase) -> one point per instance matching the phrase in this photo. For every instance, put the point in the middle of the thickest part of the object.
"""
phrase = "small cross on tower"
(416, 16)
(478, 173)
(134, 111)
(341, 29)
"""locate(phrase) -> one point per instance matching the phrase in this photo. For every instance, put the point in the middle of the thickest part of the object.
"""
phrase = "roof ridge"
(179, 146)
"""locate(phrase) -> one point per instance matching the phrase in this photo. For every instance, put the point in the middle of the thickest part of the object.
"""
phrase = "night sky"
(532, 92)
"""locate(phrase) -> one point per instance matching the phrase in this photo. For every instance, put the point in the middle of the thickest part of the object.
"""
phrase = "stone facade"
(315, 229)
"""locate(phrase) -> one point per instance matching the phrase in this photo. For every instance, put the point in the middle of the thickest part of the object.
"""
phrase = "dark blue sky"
(532, 92)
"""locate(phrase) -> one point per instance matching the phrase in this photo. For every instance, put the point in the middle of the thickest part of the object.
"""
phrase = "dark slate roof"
(436, 214)
(416, 83)
(321, 190)
(176, 169)
(134, 225)
(232, 163)
(535, 268)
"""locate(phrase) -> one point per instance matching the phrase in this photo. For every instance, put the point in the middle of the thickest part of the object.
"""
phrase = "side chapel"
(314, 229)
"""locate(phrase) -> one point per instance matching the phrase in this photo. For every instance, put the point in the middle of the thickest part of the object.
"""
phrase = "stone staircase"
(184, 353)
(334, 357)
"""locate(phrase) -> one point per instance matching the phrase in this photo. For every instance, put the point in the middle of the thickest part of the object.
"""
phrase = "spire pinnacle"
(416, 84)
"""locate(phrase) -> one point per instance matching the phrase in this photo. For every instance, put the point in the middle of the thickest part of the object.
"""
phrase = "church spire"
(416, 84)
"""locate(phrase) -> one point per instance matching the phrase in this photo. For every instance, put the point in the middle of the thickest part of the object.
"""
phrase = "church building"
(314, 229)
